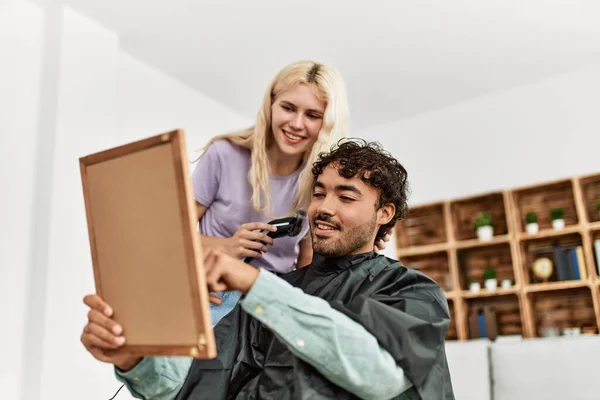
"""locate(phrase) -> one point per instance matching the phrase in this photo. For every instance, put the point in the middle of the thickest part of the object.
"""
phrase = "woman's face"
(296, 119)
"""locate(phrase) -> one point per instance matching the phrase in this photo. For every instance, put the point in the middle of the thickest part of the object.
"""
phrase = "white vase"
(532, 228)
(506, 283)
(485, 233)
(558, 224)
(491, 284)
(474, 287)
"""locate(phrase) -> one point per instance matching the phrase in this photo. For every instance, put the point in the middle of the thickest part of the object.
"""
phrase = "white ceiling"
(399, 58)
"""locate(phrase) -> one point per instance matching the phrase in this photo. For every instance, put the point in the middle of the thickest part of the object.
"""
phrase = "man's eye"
(346, 198)
(318, 195)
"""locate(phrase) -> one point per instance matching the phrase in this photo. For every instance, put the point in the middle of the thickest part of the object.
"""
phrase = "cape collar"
(330, 264)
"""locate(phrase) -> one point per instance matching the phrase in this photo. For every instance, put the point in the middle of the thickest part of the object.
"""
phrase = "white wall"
(21, 30)
(86, 95)
(528, 134)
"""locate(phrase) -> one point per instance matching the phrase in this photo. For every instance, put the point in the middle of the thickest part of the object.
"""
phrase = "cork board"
(146, 251)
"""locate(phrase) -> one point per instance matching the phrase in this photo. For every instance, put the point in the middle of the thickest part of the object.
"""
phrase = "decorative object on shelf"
(573, 331)
(484, 226)
(542, 268)
(489, 277)
(598, 207)
(506, 283)
(548, 326)
(474, 287)
(531, 220)
(557, 215)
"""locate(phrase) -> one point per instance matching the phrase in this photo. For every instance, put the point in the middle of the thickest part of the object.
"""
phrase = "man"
(354, 325)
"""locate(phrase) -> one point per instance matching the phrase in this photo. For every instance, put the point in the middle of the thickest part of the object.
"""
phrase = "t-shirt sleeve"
(207, 176)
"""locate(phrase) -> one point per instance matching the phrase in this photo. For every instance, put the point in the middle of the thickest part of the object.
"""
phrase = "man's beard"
(347, 241)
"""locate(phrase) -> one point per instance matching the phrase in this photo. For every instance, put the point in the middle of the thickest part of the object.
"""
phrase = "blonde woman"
(246, 178)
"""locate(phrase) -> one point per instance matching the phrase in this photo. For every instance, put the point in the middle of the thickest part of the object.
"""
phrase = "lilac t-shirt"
(220, 182)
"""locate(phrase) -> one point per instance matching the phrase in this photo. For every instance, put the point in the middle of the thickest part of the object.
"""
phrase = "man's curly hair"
(375, 166)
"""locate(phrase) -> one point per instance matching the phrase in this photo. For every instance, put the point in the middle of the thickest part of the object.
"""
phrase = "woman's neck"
(282, 164)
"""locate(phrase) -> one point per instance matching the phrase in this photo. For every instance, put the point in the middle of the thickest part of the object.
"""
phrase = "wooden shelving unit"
(439, 239)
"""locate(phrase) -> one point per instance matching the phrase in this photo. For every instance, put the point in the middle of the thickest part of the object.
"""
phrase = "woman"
(247, 178)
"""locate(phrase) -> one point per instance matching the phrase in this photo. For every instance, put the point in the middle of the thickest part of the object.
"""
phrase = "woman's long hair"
(330, 88)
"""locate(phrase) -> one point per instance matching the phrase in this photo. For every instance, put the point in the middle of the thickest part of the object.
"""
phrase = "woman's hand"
(102, 335)
(380, 244)
(249, 241)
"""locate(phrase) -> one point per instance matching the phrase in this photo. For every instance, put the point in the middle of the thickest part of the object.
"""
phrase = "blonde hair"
(330, 88)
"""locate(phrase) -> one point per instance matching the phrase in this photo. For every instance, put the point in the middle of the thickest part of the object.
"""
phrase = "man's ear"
(386, 213)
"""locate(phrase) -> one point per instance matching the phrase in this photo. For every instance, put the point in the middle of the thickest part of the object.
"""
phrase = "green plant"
(557, 213)
(489, 273)
(531, 218)
(483, 219)
(598, 205)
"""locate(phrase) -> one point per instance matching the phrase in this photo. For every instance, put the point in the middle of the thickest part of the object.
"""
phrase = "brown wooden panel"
(423, 225)
(434, 266)
(591, 195)
(564, 309)
(473, 262)
(464, 213)
(544, 198)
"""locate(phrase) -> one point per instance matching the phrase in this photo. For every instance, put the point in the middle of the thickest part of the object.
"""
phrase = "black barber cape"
(405, 310)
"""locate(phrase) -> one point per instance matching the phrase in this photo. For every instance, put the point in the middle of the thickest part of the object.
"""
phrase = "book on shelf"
(483, 323)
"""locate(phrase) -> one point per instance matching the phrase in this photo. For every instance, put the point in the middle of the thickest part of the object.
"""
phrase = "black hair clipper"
(289, 226)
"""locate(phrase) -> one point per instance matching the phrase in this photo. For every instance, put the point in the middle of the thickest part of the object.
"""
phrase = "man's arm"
(156, 378)
(339, 348)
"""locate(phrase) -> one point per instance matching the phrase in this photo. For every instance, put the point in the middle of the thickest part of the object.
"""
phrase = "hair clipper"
(288, 226)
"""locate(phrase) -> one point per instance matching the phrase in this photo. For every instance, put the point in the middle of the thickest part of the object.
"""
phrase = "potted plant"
(484, 226)
(474, 287)
(531, 221)
(557, 216)
(489, 277)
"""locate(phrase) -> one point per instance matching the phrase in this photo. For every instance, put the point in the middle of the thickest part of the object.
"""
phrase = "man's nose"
(326, 207)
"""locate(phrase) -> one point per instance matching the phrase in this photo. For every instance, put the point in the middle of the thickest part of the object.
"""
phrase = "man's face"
(342, 214)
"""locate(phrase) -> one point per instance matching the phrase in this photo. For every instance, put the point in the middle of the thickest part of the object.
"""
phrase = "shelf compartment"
(555, 249)
(435, 266)
(541, 199)
(568, 308)
(473, 261)
(464, 212)
(503, 316)
(424, 225)
(590, 186)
